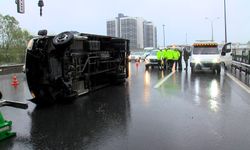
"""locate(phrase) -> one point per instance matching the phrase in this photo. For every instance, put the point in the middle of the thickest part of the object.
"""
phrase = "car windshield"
(205, 50)
(153, 53)
(136, 53)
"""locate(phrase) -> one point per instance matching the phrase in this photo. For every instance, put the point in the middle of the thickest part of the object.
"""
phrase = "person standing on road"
(159, 55)
(176, 55)
(164, 56)
(186, 57)
(169, 57)
(180, 60)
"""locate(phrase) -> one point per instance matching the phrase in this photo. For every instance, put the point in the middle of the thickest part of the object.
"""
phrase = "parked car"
(151, 59)
(135, 56)
(145, 54)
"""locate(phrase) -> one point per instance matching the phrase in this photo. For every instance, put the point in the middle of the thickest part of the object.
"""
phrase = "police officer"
(186, 57)
(180, 60)
(164, 56)
(159, 55)
(176, 55)
(169, 57)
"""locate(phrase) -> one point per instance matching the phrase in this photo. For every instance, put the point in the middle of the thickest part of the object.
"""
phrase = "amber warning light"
(205, 44)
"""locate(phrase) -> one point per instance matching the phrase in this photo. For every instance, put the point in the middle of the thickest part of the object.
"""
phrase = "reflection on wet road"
(186, 111)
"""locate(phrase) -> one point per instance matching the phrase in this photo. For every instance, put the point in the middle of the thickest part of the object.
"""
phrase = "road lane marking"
(163, 80)
(242, 85)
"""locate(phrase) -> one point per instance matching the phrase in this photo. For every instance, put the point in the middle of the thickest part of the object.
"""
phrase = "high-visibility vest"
(164, 54)
(179, 54)
(169, 54)
(176, 54)
(159, 55)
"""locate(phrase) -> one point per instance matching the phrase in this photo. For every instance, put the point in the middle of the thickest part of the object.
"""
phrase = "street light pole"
(212, 26)
(186, 38)
(225, 19)
(163, 35)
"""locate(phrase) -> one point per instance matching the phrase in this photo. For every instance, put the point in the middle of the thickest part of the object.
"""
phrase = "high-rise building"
(149, 34)
(111, 28)
(132, 28)
(141, 33)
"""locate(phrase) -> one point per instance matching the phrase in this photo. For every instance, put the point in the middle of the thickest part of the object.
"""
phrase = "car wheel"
(192, 69)
(63, 39)
(224, 65)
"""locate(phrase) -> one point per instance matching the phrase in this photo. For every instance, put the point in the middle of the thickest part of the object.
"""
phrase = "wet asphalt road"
(199, 111)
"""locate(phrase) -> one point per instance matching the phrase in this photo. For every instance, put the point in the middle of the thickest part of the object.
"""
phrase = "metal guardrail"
(241, 55)
(241, 67)
(8, 69)
(241, 59)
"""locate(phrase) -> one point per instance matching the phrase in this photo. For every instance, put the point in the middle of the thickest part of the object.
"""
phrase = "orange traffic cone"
(15, 82)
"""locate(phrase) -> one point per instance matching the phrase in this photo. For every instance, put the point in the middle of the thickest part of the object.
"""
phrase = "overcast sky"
(181, 17)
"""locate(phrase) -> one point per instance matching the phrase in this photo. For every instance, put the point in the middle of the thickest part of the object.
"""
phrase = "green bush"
(13, 41)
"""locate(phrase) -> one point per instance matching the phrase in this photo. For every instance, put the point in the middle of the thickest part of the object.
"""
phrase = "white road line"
(242, 85)
(163, 80)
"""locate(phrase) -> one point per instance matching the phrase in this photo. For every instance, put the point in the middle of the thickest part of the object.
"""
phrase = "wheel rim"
(62, 38)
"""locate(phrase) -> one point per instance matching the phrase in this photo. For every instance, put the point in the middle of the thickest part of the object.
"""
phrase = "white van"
(205, 55)
(226, 56)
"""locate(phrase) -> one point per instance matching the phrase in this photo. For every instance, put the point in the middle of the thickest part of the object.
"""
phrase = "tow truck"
(62, 67)
(205, 55)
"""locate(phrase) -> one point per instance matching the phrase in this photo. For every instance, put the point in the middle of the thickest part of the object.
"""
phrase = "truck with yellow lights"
(205, 55)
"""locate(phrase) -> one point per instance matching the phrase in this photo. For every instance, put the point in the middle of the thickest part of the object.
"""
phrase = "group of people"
(168, 57)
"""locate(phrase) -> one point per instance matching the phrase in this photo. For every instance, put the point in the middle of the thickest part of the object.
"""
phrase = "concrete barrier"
(8, 69)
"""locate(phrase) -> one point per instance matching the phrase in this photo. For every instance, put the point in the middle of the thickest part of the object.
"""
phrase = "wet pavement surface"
(200, 111)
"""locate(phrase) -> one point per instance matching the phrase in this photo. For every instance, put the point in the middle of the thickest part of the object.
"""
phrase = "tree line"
(13, 40)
